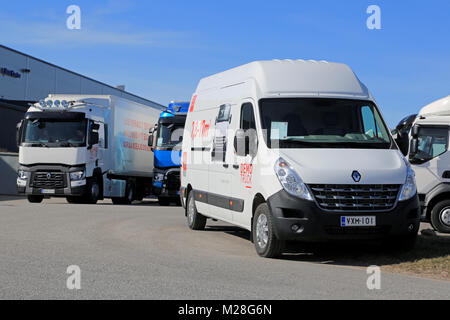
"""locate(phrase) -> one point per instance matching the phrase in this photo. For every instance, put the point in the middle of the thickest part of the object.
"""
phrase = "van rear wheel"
(267, 245)
(195, 220)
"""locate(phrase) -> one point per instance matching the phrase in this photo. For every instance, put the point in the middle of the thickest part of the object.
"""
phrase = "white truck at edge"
(425, 139)
(86, 148)
(308, 157)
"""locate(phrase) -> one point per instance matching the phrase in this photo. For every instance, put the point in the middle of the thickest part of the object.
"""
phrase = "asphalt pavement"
(144, 251)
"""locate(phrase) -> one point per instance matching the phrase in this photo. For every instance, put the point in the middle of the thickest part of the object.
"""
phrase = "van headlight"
(291, 181)
(23, 175)
(409, 189)
(77, 175)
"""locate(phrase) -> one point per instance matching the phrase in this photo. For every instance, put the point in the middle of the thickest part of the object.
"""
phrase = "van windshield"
(322, 123)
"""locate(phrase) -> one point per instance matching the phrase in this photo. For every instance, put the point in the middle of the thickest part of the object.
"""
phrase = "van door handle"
(226, 166)
(236, 166)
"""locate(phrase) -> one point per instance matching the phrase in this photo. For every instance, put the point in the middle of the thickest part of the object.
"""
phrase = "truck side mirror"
(152, 137)
(414, 148)
(19, 133)
(415, 131)
(93, 139)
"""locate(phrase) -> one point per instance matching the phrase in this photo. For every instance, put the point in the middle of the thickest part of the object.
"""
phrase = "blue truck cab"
(165, 140)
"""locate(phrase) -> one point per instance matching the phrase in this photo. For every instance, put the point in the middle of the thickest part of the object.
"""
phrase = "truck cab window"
(432, 143)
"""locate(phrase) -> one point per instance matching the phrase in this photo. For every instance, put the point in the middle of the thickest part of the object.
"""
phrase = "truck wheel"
(35, 199)
(195, 220)
(129, 195)
(267, 245)
(440, 216)
(92, 191)
(163, 201)
(74, 200)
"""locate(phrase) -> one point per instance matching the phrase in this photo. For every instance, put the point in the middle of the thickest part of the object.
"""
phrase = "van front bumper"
(317, 225)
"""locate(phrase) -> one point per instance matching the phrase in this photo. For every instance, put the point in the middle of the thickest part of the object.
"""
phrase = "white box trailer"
(86, 148)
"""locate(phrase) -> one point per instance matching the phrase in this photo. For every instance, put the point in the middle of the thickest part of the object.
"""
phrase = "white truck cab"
(307, 157)
(428, 134)
(86, 148)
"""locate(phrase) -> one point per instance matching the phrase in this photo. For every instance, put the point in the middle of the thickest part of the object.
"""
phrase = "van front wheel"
(267, 245)
(195, 220)
(440, 216)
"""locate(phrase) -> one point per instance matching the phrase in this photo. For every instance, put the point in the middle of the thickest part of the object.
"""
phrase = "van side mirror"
(19, 131)
(403, 143)
(246, 142)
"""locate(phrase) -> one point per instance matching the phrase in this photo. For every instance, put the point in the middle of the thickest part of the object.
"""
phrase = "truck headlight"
(409, 189)
(159, 177)
(23, 175)
(77, 175)
(291, 181)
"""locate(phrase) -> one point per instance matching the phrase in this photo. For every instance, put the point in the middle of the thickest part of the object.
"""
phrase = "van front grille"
(48, 180)
(355, 197)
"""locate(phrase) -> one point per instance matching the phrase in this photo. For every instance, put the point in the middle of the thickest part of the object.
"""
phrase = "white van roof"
(292, 78)
(440, 107)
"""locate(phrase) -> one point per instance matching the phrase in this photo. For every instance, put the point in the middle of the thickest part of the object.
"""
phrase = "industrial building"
(24, 80)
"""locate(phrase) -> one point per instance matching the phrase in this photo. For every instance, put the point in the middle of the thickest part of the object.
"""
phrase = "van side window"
(247, 117)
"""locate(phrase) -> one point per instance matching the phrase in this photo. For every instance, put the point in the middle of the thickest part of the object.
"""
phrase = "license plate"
(47, 191)
(358, 221)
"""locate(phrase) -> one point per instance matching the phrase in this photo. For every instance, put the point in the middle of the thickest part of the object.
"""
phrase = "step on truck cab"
(424, 138)
(307, 156)
(165, 140)
(86, 148)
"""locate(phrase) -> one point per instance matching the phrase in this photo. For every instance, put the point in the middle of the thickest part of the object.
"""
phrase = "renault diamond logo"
(356, 176)
(49, 175)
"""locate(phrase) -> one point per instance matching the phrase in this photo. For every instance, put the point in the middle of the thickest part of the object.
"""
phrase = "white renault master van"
(307, 157)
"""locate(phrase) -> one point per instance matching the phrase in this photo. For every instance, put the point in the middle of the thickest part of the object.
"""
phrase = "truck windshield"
(323, 123)
(55, 133)
(433, 141)
(169, 135)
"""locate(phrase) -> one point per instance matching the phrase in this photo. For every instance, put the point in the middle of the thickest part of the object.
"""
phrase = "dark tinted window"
(247, 117)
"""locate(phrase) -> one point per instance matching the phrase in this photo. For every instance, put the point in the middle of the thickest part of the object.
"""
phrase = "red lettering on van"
(191, 107)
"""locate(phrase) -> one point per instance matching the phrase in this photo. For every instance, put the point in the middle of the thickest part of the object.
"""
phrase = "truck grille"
(355, 197)
(48, 180)
(173, 180)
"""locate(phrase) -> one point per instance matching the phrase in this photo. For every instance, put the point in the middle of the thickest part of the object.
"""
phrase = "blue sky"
(160, 49)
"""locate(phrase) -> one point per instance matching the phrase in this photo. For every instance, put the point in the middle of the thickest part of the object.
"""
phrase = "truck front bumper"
(60, 186)
(311, 223)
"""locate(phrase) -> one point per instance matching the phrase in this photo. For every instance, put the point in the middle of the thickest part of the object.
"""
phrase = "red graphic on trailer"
(200, 128)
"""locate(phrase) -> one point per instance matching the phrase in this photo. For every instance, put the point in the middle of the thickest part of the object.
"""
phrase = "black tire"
(74, 200)
(35, 199)
(195, 220)
(440, 216)
(164, 201)
(271, 247)
(92, 191)
(129, 195)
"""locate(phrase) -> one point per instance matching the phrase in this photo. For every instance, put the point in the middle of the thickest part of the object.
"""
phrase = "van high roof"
(292, 78)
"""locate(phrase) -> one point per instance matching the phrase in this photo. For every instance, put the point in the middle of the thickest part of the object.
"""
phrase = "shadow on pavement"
(359, 254)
